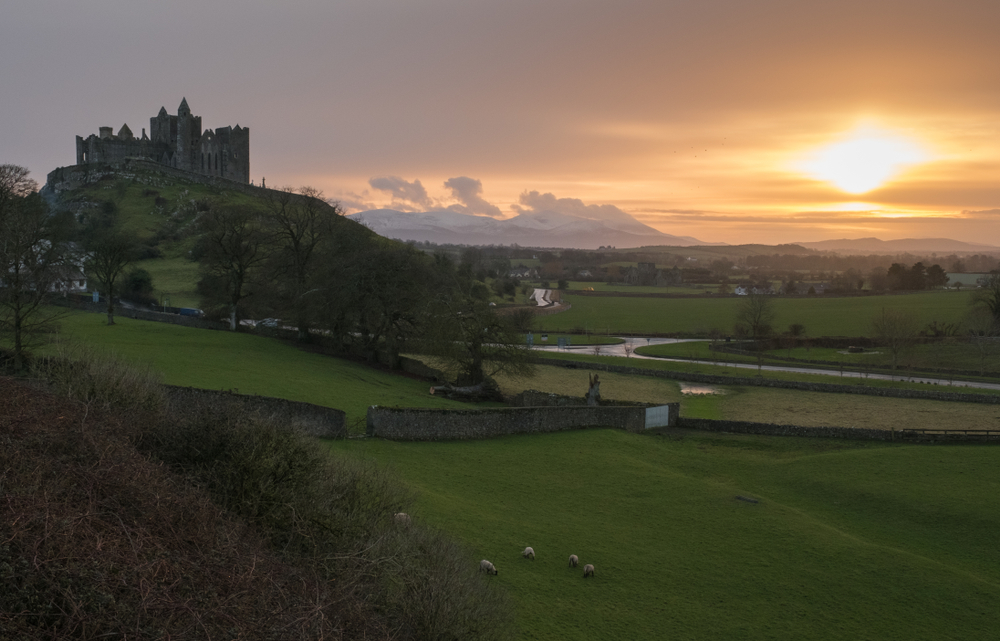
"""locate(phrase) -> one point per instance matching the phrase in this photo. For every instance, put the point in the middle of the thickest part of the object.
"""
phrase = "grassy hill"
(161, 211)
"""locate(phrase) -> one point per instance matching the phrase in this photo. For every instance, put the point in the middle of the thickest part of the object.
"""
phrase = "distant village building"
(175, 141)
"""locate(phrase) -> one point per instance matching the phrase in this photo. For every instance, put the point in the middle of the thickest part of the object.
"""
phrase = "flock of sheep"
(529, 553)
(403, 519)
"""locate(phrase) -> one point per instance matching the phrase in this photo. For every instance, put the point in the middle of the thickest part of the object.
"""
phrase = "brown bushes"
(209, 522)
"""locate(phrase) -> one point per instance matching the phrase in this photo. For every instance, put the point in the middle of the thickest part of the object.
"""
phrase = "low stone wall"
(534, 398)
(859, 434)
(139, 314)
(712, 379)
(403, 424)
(314, 420)
(771, 429)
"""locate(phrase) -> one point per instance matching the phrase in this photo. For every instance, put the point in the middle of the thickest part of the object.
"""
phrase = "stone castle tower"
(175, 141)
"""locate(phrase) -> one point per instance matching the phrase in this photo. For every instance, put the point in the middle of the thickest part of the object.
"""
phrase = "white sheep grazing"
(487, 567)
(588, 570)
(402, 518)
(573, 560)
(528, 553)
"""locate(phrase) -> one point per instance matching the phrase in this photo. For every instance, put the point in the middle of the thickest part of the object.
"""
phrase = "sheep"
(588, 570)
(402, 518)
(487, 567)
(528, 553)
(573, 560)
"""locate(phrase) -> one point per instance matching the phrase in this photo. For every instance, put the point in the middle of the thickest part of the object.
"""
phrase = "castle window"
(203, 161)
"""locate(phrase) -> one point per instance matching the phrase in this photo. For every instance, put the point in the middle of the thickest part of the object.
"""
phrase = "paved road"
(620, 350)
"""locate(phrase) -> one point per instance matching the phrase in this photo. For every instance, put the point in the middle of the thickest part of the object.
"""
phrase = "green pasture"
(848, 541)
(769, 405)
(821, 316)
(249, 364)
(642, 289)
(724, 367)
(949, 354)
(173, 278)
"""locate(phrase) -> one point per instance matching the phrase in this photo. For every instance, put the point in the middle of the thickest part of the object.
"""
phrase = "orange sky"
(695, 117)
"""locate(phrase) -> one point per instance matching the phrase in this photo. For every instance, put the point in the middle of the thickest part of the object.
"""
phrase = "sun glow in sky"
(725, 120)
(865, 160)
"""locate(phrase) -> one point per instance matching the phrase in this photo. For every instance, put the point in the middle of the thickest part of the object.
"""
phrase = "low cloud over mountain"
(466, 217)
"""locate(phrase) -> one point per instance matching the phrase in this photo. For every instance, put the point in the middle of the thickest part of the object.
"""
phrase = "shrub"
(101, 380)
(334, 514)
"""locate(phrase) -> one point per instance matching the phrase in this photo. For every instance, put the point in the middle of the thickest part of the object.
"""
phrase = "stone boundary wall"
(139, 314)
(860, 434)
(314, 420)
(73, 176)
(534, 398)
(713, 379)
(405, 424)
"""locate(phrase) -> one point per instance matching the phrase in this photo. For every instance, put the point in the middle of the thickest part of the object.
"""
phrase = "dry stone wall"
(314, 420)
(438, 425)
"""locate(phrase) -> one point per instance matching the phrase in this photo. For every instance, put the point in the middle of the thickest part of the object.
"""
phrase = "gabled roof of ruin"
(184, 106)
(163, 112)
(125, 133)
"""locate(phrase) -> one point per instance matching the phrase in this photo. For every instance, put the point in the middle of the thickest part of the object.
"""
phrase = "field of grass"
(641, 289)
(950, 354)
(834, 316)
(848, 541)
(249, 364)
(767, 405)
(721, 368)
(173, 279)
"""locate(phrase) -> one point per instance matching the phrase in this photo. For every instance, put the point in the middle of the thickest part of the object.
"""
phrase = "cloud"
(532, 202)
(468, 192)
(403, 191)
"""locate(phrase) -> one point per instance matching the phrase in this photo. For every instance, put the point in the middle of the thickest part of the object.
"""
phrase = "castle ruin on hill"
(175, 141)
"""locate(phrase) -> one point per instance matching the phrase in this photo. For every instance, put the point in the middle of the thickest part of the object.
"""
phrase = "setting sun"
(863, 161)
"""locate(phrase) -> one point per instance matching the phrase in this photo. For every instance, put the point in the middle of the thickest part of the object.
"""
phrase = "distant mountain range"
(543, 229)
(922, 245)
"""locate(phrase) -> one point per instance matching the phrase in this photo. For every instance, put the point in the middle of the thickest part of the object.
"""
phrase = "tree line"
(290, 255)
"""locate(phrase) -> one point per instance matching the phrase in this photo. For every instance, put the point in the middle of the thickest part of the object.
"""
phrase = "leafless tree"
(33, 256)
(988, 294)
(984, 332)
(109, 254)
(754, 320)
(235, 246)
(895, 330)
(300, 220)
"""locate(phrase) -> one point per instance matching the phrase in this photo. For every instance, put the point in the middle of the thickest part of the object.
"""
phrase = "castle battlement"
(175, 141)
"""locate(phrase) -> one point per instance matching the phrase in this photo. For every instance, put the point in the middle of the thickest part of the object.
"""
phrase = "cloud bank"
(467, 191)
(533, 202)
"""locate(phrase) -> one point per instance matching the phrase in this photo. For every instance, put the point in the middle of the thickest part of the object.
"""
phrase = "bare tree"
(894, 330)
(33, 257)
(109, 254)
(983, 331)
(988, 293)
(234, 247)
(754, 319)
(300, 221)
